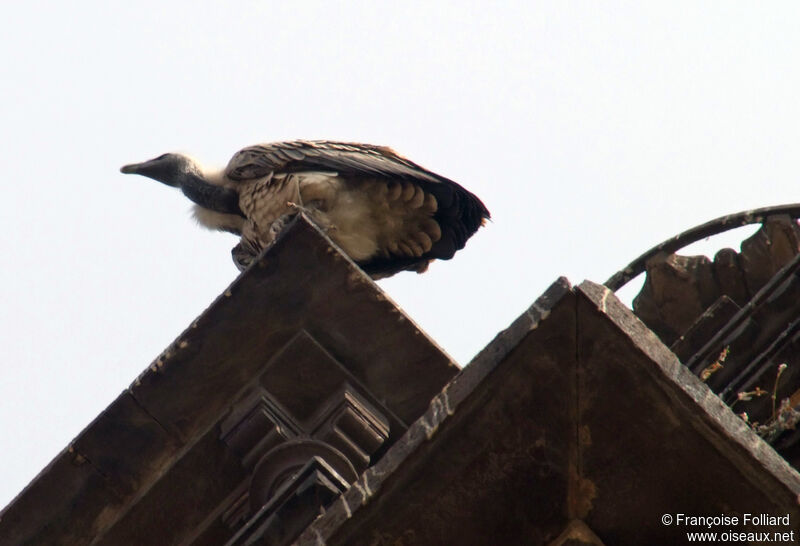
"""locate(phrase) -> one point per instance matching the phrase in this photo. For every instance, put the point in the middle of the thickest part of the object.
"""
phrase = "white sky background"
(592, 131)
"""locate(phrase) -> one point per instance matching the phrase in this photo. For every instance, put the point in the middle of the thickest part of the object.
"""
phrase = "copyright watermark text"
(723, 527)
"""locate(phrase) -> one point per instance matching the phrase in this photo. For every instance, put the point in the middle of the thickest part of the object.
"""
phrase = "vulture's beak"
(133, 168)
(164, 169)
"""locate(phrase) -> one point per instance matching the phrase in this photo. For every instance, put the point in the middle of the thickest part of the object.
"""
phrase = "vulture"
(385, 212)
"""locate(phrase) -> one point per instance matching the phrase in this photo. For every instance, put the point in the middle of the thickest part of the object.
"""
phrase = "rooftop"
(304, 407)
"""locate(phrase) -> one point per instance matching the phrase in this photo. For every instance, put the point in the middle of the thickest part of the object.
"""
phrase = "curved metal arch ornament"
(698, 233)
(733, 320)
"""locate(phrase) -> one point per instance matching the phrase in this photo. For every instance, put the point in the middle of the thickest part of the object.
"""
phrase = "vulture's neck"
(209, 195)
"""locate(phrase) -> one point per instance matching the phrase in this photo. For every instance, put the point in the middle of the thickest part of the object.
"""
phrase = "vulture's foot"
(242, 256)
(277, 226)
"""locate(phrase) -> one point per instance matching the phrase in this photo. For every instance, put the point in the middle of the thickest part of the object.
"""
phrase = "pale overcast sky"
(591, 130)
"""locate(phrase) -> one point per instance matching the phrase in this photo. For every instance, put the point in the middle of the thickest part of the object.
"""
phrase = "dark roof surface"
(575, 422)
(299, 325)
(576, 425)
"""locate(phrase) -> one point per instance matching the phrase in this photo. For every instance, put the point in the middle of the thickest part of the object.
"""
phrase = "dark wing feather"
(460, 213)
(342, 157)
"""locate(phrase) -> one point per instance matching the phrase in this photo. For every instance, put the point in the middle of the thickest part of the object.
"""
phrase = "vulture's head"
(167, 168)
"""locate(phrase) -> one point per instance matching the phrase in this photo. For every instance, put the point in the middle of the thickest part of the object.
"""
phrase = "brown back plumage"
(459, 213)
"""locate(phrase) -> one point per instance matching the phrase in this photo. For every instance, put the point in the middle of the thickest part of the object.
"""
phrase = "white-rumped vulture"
(387, 213)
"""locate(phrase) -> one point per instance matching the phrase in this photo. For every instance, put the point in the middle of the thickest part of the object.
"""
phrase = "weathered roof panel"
(157, 449)
(576, 420)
